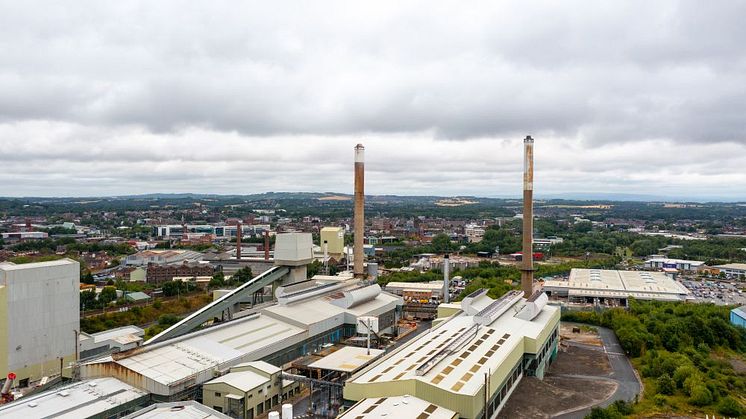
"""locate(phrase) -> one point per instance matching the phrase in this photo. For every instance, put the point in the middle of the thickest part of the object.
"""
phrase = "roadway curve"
(622, 373)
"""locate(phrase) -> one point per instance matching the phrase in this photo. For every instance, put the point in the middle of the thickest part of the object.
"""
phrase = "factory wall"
(534, 345)
(41, 311)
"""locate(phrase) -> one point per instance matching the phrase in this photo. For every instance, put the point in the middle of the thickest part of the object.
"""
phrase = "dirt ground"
(588, 338)
(534, 398)
(560, 391)
(580, 361)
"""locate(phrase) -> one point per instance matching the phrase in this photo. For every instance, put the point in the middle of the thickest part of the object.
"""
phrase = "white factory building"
(306, 317)
(163, 257)
(504, 339)
(733, 269)
(679, 264)
(104, 397)
(614, 288)
(39, 318)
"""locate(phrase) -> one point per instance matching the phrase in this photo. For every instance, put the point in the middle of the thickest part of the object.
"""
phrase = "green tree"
(107, 295)
(171, 288)
(242, 275)
(442, 244)
(218, 280)
(666, 385)
(87, 278)
(88, 300)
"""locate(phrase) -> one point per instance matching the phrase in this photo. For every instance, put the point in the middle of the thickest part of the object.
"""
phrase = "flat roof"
(263, 366)
(738, 266)
(181, 358)
(347, 359)
(186, 409)
(241, 380)
(10, 266)
(117, 333)
(399, 407)
(682, 261)
(81, 399)
(436, 285)
(620, 284)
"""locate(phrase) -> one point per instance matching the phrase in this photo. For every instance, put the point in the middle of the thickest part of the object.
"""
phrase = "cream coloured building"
(478, 350)
(39, 318)
(335, 241)
(248, 390)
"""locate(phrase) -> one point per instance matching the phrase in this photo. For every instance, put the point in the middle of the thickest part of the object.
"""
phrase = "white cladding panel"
(43, 311)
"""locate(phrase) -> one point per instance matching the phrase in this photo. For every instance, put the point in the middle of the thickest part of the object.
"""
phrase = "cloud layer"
(225, 97)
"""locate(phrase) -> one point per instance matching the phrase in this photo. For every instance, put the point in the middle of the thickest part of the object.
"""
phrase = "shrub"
(730, 407)
(682, 373)
(666, 385)
(700, 395)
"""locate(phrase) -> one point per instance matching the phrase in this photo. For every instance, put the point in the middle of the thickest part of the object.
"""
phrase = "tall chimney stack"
(239, 233)
(527, 263)
(446, 279)
(359, 211)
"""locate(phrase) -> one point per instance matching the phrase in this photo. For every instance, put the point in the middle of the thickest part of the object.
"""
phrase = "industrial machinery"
(6, 396)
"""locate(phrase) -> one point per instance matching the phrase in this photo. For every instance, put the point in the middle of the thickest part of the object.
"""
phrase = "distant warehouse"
(614, 288)
(733, 269)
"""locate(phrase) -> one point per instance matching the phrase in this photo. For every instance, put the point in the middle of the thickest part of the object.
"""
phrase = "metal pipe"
(446, 279)
(527, 258)
(266, 245)
(359, 211)
(239, 233)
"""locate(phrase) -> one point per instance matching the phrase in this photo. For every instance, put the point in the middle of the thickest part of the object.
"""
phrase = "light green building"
(481, 351)
(248, 390)
(335, 241)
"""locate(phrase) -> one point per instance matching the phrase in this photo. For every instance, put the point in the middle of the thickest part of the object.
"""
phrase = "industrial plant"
(329, 342)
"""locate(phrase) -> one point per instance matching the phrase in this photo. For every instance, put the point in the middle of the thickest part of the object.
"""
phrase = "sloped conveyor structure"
(222, 304)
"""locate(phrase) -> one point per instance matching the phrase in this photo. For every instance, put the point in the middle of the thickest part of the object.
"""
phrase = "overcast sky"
(110, 98)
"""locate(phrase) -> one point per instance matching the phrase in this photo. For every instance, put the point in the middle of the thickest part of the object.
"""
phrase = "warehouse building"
(614, 288)
(399, 407)
(735, 270)
(39, 318)
(98, 398)
(306, 317)
(426, 290)
(479, 353)
(249, 389)
(113, 340)
(162, 257)
(177, 410)
(679, 264)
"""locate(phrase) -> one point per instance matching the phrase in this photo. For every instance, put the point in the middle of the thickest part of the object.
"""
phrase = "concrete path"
(621, 371)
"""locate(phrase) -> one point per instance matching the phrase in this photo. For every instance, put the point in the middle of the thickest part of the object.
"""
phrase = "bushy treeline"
(672, 344)
(50, 246)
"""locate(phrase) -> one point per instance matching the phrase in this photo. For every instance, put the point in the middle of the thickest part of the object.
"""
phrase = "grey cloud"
(603, 72)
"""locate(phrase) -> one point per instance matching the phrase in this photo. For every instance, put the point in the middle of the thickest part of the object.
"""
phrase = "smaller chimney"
(266, 245)
(446, 279)
(326, 258)
(239, 233)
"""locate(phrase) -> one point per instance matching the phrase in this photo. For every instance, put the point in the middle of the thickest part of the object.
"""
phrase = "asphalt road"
(621, 371)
